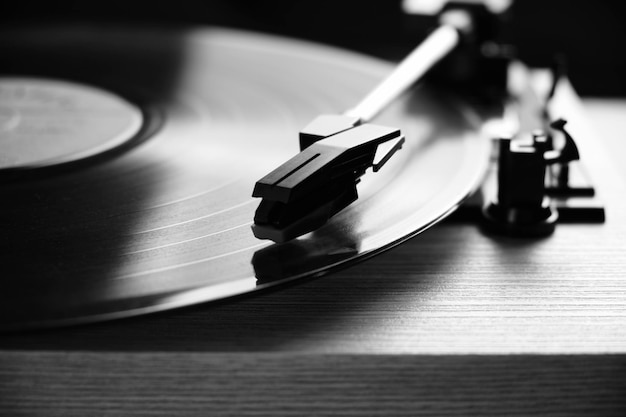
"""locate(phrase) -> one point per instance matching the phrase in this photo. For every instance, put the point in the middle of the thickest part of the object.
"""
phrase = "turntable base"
(450, 323)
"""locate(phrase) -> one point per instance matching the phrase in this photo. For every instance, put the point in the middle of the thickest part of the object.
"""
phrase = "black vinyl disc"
(129, 159)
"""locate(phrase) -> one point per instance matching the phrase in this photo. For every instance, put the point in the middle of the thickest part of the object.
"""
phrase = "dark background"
(590, 34)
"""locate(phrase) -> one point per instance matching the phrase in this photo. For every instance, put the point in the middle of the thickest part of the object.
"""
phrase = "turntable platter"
(164, 219)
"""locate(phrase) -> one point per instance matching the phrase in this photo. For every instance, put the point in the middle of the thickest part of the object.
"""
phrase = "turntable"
(452, 262)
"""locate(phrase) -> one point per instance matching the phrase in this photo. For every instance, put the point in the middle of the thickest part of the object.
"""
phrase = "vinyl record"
(130, 158)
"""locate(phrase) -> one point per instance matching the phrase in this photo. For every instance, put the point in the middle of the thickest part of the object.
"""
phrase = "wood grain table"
(453, 322)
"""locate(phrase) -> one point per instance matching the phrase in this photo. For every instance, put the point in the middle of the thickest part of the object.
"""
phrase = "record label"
(47, 122)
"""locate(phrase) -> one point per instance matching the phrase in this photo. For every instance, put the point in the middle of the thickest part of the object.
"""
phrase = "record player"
(464, 228)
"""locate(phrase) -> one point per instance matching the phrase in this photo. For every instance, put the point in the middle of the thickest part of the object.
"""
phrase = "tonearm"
(302, 194)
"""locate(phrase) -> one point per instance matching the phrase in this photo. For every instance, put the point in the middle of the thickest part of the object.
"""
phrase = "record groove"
(167, 222)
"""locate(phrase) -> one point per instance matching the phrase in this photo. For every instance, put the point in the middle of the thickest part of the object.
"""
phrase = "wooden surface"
(165, 384)
(453, 322)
